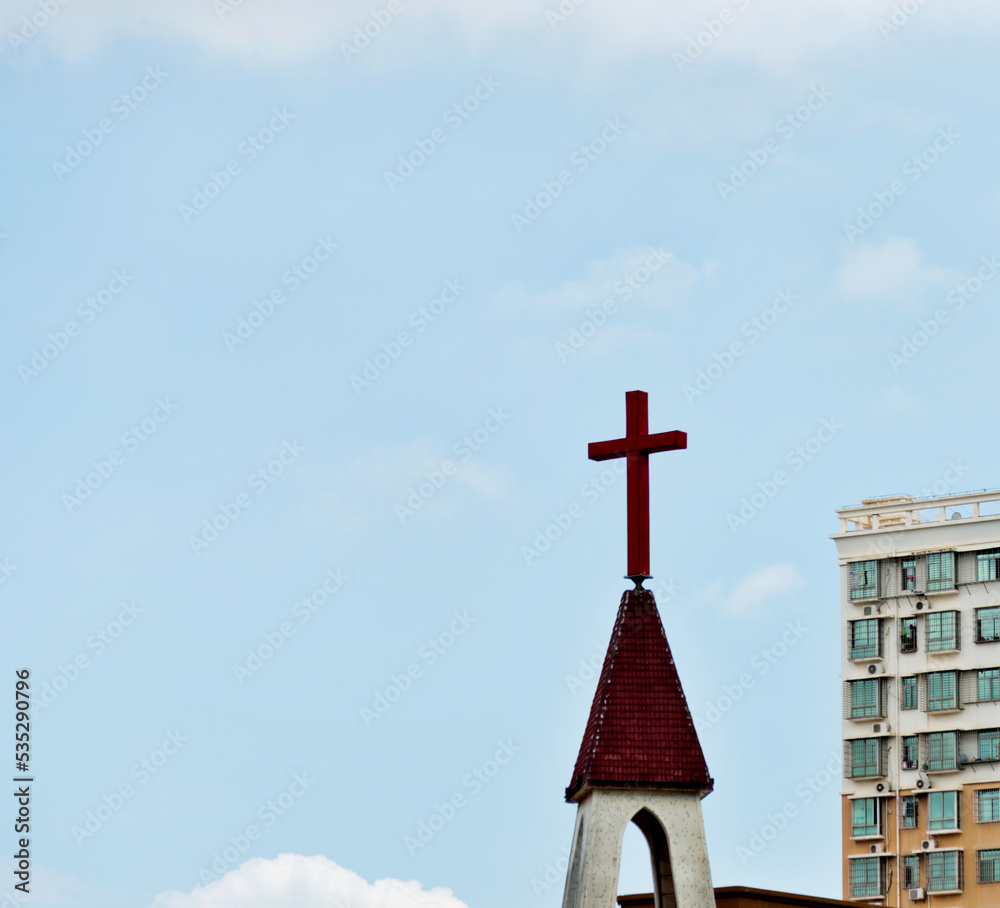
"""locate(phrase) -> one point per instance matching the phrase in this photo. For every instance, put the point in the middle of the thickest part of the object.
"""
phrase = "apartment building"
(920, 666)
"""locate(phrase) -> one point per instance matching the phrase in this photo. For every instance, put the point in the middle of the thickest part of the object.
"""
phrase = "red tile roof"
(640, 733)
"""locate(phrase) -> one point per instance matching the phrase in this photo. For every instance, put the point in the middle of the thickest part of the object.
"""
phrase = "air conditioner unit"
(872, 669)
(880, 728)
(877, 848)
(923, 781)
(882, 787)
(928, 844)
(917, 895)
(868, 610)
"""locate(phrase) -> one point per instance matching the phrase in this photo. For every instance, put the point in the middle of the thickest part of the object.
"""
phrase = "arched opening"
(645, 841)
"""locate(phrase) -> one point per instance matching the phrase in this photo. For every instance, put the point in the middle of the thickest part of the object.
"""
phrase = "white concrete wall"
(603, 814)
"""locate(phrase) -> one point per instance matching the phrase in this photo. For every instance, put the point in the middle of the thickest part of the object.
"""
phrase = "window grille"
(988, 565)
(940, 571)
(910, 810)
(908, 574)
(866, 638)
(942, 691)
(865, 699)
(941, 751)
(989, 744)
(988, 624)
(909, 752)
(909, 693)
(988, 865)
(911, 871)
(942, 631)
(864, 758)
(907, 635)
(987, 805)
(866, 877)
(862, 580)
(987, 685)
(944, 871)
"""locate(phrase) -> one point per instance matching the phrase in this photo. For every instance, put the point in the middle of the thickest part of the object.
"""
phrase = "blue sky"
(303, 341)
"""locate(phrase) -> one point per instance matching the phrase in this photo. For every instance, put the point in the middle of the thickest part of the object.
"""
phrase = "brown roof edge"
(724, 894)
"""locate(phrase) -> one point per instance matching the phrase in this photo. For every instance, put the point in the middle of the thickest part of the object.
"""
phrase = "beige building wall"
(922, 564)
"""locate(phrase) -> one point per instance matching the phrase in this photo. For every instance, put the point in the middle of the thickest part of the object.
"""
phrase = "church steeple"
(640, 760)
(640, 733)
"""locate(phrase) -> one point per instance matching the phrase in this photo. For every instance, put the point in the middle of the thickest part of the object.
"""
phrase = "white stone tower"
(641, 762)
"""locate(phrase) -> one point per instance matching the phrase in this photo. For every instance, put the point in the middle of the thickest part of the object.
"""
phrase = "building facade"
(920, 665)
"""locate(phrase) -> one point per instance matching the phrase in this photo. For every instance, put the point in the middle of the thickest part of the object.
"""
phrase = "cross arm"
(643, 444)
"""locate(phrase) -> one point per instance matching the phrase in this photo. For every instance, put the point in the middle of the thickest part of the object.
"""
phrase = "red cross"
(636, 447)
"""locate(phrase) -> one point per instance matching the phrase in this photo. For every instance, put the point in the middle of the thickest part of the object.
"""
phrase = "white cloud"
(366, 491)
(646, 275)
(893, 272)
(305, 882)
(769, 33)
(753, 593)
(894, 401)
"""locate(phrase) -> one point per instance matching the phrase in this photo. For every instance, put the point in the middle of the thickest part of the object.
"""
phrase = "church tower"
(640, 760)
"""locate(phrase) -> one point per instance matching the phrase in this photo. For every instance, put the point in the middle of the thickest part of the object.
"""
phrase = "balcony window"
(911, 871)
(909, 688)
(910, 752)
(940, 571)
(866, 639)
(987, 624)
(865, 877)
(862, 580)
(865, 699)
(988, 565)
(989, 744)
(988, 684)
(988, 866)
(940, 751)
(942, 631)
(866, 758)
(942, 691)
(865, 817)
(988, 805)
(908, 573)
(942, 810)
(944, 871)
(909, 808)
(907, 635)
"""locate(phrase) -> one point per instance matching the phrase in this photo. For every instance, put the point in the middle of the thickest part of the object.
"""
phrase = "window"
(866, 639)
(865, 877)
(988, 805)
(944, 871)
(908, 572)
(865, 699)
(907, 635)
(988, 863)
(911, 871)
(988, 565)
(942, 810)
(942, 631)
(910, 752)
(942, 691)
(940, 750)
(862, 580)
(940, 571)
(864, 817)
(989, 744)
(909, 686)
(909, 809)
(988, 684)
(866, 759)
(987, 624)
